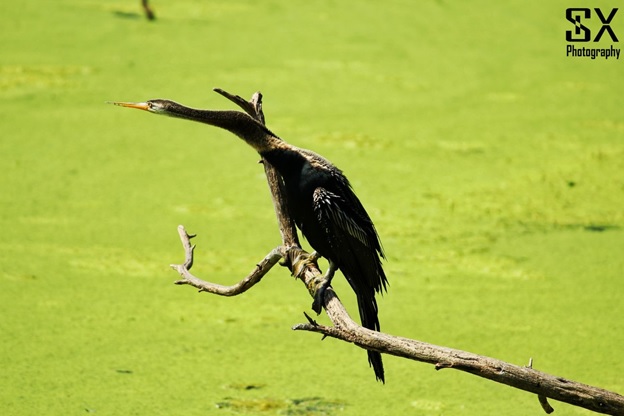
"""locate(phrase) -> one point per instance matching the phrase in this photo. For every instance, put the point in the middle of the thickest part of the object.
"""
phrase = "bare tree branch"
(525, 378)
(149, 13)
(303, 266)
(189, 279)
(287, 227)
(252, 107)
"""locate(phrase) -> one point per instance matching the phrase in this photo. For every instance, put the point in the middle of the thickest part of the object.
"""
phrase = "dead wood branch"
(304, 267)
(189, 279)
(149, 13)
(524, 378)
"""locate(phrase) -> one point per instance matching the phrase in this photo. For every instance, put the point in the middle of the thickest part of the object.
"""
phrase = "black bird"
(322, 204)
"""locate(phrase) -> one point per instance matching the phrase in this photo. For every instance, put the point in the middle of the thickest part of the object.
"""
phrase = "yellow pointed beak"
(140, 106)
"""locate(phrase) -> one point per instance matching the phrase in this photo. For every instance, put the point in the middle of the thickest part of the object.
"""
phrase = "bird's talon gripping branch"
(319, 294)
(302, 262)
(319, 299)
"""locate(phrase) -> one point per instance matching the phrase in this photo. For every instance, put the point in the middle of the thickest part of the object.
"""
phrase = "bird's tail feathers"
(367, 306)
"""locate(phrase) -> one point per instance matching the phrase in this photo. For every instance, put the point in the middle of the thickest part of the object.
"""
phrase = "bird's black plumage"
(321, 202)
(335, 223)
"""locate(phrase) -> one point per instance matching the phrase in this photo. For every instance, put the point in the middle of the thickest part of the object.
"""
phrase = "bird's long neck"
(236, 122)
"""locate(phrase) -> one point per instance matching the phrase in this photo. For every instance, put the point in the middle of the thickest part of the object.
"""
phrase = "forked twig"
(251, 279)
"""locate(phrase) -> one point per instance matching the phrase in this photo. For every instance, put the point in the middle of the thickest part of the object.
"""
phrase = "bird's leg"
(319, 284)
(303, 260)
(319, 294)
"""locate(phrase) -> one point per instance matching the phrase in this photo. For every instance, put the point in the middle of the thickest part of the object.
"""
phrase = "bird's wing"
(353, 239)
(334, 214)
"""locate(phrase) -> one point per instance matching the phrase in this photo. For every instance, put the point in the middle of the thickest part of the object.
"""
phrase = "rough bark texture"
(303, 266)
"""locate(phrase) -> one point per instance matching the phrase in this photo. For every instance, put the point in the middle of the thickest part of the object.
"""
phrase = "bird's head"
(157, 106)
(237, 122)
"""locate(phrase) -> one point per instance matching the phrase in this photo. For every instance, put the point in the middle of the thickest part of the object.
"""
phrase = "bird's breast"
(301, 179)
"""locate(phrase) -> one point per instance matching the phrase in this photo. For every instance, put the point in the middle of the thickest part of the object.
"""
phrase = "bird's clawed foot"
(319, 294)
(302, 261)
(319, 297)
